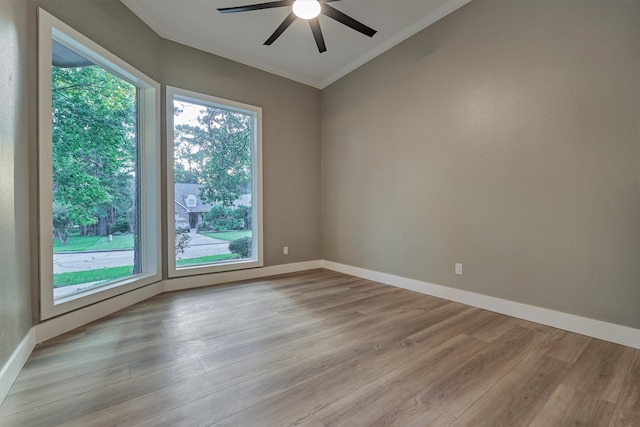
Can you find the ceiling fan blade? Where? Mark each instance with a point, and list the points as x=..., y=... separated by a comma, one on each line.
x=347, y=20
x=278, y=32
x=317, y=34
x=257, y=6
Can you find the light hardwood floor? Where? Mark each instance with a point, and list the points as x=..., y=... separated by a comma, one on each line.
x=321, y=349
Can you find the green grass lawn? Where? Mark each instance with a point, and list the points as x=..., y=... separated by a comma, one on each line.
x=205, y=259
x=229, y=235
x=93, y=243
x=61, y=280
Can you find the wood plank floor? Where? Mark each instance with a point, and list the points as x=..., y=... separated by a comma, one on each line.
x=321, y=349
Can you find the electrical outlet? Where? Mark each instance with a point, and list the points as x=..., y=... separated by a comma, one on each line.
x=285, y=250
x=458, y=268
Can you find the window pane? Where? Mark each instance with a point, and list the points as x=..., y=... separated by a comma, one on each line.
x=212, y=183
x=95, y=179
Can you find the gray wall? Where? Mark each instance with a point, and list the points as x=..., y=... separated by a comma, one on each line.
x=506, y=137
x=110, y=24
x=15, y=304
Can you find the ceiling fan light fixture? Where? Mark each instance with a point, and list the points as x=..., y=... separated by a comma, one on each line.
x=306, y=9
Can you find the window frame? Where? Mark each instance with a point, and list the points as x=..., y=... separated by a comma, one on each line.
x=175, y=93
x=51, y=28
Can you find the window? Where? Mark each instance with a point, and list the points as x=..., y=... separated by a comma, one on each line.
x=98, y=180
x=214, y=156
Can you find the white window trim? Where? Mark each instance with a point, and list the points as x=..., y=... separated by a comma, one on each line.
x=256, y=185
x=150, y=207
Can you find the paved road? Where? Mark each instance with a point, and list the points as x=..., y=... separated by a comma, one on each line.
x=198, y=246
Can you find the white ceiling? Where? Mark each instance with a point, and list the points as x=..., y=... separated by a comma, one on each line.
x=240, y=36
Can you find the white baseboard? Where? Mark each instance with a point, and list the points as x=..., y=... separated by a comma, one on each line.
x=182, y=283
x=16, y=362
x=618, y=334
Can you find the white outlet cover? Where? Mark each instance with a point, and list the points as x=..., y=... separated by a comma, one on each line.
x=458, y=268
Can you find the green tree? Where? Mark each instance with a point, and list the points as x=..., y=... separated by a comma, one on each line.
x=243, y=213
x=221, y=218
x=182, y=241
x=94, y=152
x=61, y=222
x=215, y=153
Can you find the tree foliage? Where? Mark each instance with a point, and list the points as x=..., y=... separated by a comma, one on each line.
x=223, y=218
x=215, y=153
x=182, y=241
x=61, y=222
x=93, y=147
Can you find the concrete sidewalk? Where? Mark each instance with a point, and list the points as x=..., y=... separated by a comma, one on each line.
x=198, y=239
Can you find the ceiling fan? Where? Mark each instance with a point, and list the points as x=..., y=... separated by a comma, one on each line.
x=305, y=9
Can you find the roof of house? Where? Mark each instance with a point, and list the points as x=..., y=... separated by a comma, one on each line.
x=183, y=190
